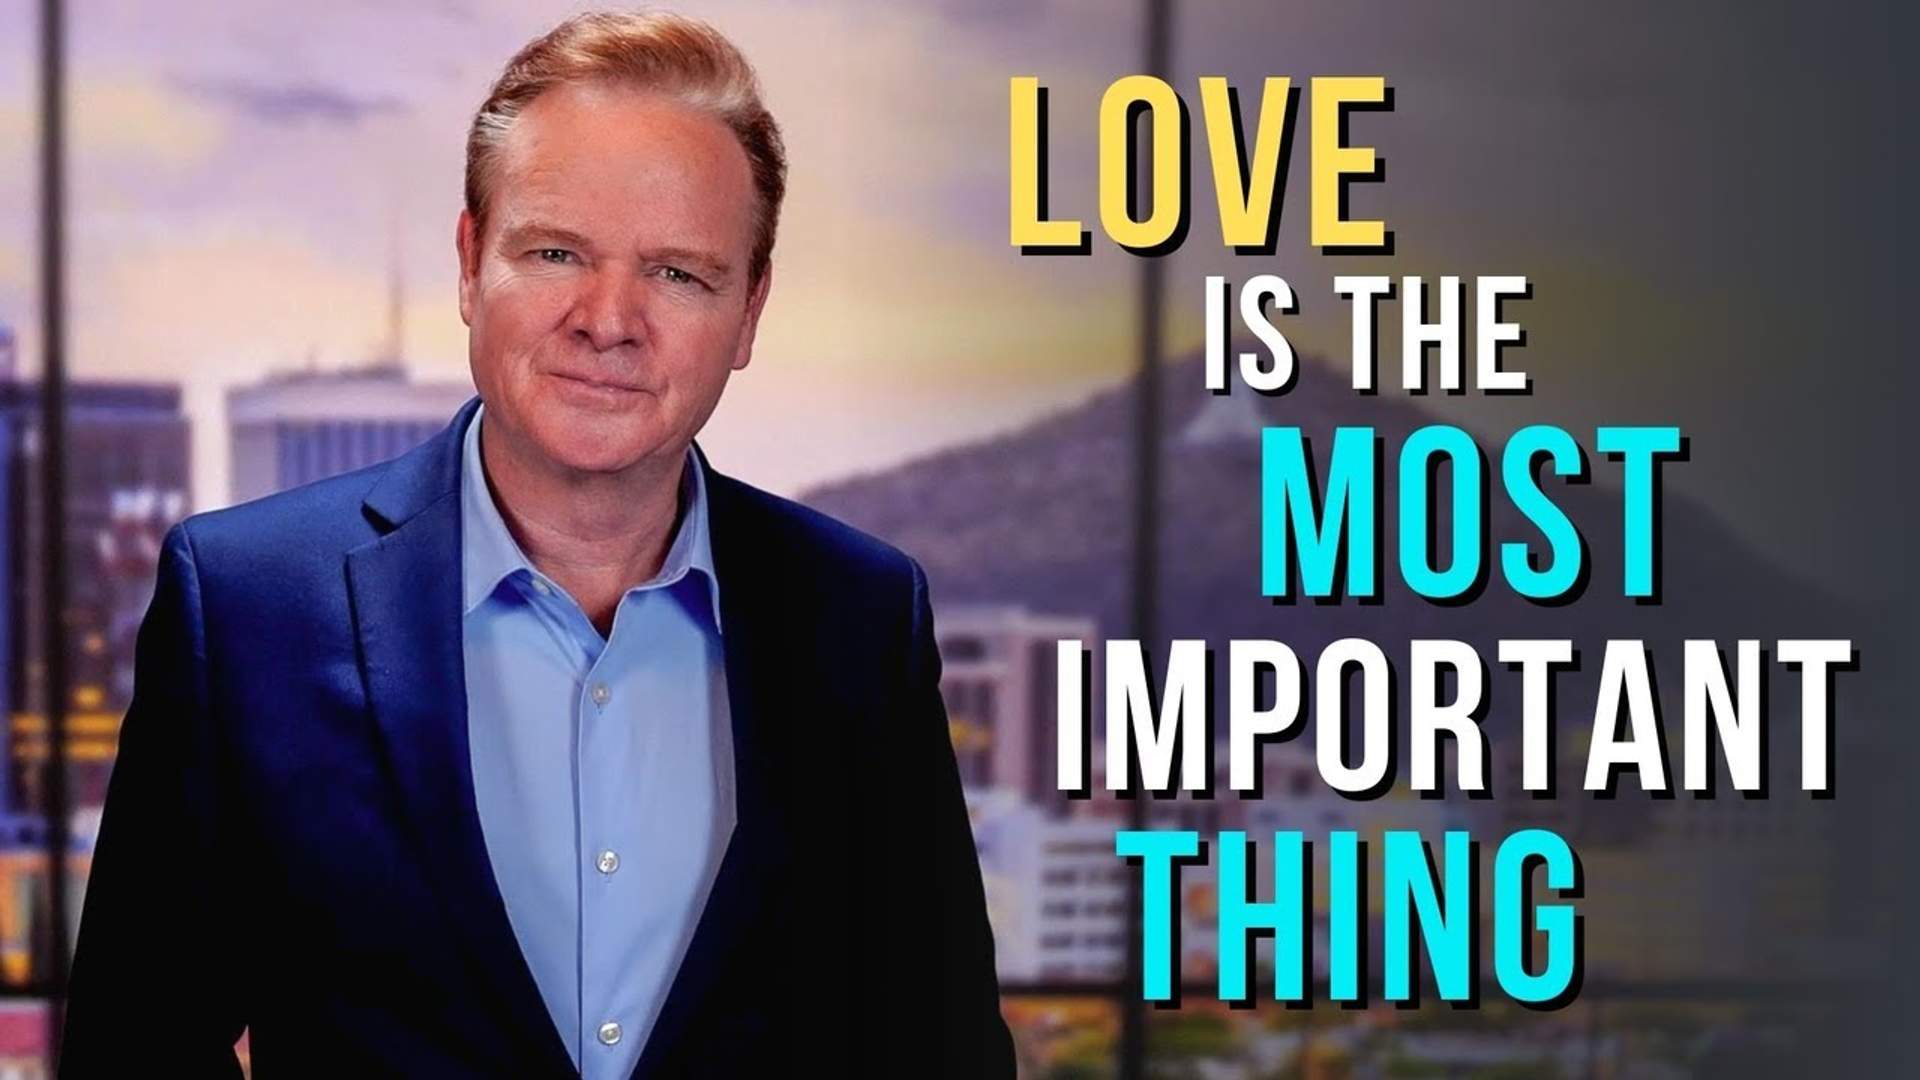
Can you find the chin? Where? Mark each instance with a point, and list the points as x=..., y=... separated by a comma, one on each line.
x=596, y=442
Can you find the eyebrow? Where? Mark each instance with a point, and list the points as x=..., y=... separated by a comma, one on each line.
x=529, y=233
x=713, y=264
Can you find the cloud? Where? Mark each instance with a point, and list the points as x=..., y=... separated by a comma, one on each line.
x=289, y=103
x=13, y=267
x=119, y=121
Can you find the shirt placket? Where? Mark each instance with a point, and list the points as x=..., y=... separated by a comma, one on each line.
x=605, y=752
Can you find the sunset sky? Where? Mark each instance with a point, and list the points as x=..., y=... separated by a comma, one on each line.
x=242, y=174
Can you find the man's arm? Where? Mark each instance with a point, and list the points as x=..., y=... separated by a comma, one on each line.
x=154, y=987
x=973, y=1039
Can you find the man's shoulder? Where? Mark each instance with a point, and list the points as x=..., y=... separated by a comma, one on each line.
x=320, y=520
x=774, y=529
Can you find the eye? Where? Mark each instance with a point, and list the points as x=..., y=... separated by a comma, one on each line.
x=553, y=255
x=678, y=276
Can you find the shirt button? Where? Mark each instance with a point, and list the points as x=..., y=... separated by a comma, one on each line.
x=609, y=1033
x=608, y=862
x=601, y=693
x=541, y=587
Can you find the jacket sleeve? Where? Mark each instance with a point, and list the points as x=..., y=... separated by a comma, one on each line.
x=974, y=1037
x=154, y=978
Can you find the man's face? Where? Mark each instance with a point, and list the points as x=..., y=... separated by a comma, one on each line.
x=607, y=300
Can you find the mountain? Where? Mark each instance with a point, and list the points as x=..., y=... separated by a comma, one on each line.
x=1042, y=517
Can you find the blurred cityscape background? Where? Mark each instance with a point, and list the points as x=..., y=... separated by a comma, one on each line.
x=259, y=280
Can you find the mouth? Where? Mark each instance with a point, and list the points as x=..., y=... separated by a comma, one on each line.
x=598, y=385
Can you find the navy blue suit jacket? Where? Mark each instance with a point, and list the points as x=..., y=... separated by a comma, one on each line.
x=290, y=843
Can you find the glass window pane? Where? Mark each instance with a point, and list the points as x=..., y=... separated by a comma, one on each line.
x=240, y=328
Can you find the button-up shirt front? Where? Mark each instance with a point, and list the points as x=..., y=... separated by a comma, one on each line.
x=603, y=767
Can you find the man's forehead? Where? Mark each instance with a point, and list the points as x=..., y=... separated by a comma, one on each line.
x=612, y=154
x=592, y=127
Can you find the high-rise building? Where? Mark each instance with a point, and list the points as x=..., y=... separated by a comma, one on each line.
x=294, y=428
x=1056, y=893
x=126, y=482
x=999, y=680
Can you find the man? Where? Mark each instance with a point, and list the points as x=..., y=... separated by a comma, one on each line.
x=546, y=749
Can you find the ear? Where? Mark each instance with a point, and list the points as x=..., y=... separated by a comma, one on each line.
x=756, y=302
x=466, y=242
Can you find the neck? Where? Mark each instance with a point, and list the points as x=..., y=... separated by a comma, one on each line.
x=596, y=534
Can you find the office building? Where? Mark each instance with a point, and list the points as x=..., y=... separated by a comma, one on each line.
x=126, y=483
x=1056, y=892
x=297, y=427
x=1000, y=683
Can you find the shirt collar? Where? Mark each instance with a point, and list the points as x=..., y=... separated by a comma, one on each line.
x=489, y=553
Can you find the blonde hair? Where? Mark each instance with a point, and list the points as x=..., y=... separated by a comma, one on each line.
x=684, y=58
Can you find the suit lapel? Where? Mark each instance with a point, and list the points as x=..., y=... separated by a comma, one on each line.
x=751, y=599
x=405, y=589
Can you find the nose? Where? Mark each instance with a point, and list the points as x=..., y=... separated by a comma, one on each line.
x=609, y=310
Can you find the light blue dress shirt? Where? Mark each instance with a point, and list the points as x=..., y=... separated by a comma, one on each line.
x=603, y=768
